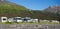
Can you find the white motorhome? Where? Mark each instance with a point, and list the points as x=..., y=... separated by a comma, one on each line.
x=4, y=19
x=18, y=19
x=35, y=20
x=27, y=19
x=10, y=20
x=55, y=21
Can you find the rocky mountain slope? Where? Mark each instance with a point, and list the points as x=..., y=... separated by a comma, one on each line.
x=53, y=9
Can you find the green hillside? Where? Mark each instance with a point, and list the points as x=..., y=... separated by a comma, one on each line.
x=9, y=9
x=11, y=6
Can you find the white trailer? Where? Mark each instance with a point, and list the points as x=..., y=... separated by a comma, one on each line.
x=4, y=19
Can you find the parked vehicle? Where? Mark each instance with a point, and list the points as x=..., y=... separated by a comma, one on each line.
x=4, y=19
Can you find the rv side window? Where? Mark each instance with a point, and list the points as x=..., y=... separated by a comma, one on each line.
x=19, y=18
x=4, y=19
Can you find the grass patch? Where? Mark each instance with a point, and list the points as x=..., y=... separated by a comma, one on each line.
x=0, y=22
x=49, y=23
x=29, y=23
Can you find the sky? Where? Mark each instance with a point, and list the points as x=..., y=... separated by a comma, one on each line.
x=36, y=4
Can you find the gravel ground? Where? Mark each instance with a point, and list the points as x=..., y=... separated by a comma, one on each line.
x=29, y=26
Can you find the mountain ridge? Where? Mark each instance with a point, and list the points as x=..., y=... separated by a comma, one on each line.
x=52, y=9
